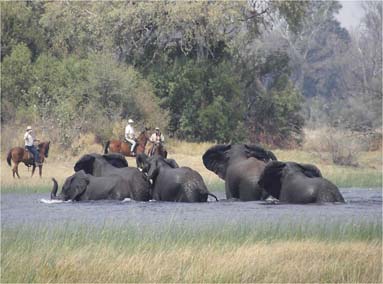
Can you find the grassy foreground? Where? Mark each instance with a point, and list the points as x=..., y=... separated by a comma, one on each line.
x=339, y=253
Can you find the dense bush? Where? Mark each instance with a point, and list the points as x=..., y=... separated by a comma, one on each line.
x=201, y=70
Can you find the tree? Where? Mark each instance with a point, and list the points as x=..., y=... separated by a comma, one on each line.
x=15, y=81
x=362, y=105
x=273, y=114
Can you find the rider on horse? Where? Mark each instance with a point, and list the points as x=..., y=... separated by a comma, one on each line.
x=156, y=138
x=130, y=135
x=29, y=140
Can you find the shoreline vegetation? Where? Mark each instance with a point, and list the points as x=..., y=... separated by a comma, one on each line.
x=60, y=165
x=336, y=253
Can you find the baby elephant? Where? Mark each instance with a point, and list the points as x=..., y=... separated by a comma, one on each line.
x=172, y=183
x=298, y=183
x=82, y=186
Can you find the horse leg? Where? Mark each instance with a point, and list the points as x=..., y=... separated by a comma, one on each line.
x=16, y=170
x=40, y=170
x=33, y=169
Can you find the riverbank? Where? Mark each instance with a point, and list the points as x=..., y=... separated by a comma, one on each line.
x=367, y=175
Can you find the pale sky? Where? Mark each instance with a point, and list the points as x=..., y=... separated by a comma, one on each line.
x=351, y=13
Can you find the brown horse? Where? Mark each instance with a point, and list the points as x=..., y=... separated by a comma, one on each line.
x=19, y=154
x=157, y=149
x=123, y=147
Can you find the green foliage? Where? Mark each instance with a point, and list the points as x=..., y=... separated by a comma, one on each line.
x=185, y=66
x=273, y=115
x=20, y=25
x=203, y=99
x=15, y=81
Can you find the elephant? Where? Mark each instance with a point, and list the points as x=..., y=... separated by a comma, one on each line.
x=291, y=182
x=99, y=165
x=116, y=165
x=171, y=182
x=240, y=166
x=82, y=186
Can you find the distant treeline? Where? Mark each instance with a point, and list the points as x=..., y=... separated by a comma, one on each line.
x=201, y=70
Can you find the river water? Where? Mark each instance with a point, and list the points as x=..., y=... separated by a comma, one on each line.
x=362, y=205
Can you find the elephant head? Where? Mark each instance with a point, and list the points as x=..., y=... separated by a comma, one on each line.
x=85, y=163
x=94, y=163
x=217, y=158
x=72, y=188
x=272, y=177
x=240, y=166
x=298, y=183
x=152, y=165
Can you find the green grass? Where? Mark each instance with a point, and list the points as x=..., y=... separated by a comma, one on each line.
x=353, y=177
x=82, y=253
x=25, y=189
x=74, y=235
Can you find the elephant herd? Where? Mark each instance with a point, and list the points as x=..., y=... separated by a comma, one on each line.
x=250, y=173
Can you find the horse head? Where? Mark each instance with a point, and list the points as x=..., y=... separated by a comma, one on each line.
x=44, y=148
x=143, y=138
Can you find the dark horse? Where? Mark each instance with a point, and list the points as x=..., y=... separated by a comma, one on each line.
x=157, y=149
x=123, y=147
x=20, y=154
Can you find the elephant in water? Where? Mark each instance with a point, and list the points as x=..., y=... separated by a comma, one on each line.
x=100, y=165
x=115, y=165
x=173, y=183
x=82, y=186
x=240, y=166
x=298, y=183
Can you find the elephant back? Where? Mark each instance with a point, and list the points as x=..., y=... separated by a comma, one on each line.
x=259, y=153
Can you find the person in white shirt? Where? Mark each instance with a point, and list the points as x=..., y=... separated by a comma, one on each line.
x=157, y=137
x=130, y=136
x=29, y=140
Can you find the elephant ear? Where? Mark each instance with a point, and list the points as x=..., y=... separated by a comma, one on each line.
x=259, y=153
x=310, y=171
x=116, y=160
x=172, y=163
x=85, y=163
x=216, y=158
x=270, y=178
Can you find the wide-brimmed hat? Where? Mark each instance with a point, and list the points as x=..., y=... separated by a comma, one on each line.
x=29, y=127
x=130, y=121
x=157, y=128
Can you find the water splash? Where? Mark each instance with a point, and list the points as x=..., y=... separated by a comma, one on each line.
x=53, y=201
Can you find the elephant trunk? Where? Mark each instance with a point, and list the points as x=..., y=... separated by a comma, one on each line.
x=141, y=161
x=106, y=147
x=54, y=189
x=211, y=194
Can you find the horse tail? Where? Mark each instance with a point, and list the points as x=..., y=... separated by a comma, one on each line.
x=106, y=147
x=9, y=157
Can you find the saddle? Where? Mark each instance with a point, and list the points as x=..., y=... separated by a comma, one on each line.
x=130, y=144
x=30, y=160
